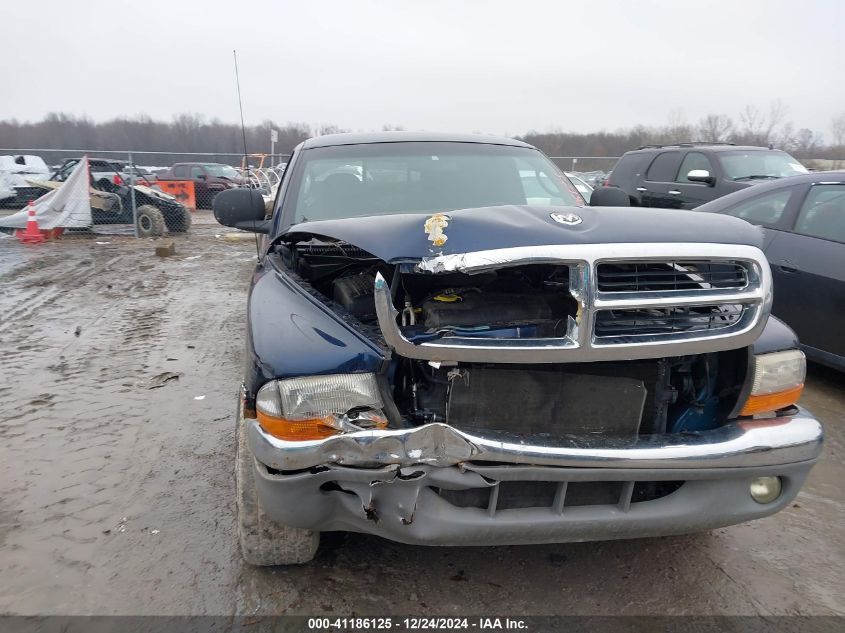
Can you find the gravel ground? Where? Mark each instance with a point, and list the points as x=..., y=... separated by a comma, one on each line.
x=118, y=377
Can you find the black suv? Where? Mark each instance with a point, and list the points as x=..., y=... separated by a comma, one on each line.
x=686, y=175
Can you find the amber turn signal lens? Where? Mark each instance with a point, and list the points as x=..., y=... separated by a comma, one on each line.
x=309, y=429
x=771, y=401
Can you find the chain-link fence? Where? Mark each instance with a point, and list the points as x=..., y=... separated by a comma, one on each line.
x=144, y=193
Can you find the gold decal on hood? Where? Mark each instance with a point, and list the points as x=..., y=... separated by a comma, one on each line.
x=434, y=227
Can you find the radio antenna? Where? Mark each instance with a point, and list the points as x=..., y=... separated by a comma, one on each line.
x=243, y=134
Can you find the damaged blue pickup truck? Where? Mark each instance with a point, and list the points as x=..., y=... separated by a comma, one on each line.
x=446, y=346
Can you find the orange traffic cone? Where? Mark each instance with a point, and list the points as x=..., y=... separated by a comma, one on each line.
x=31, y=234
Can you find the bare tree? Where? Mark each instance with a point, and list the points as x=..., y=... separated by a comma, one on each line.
x=752, y=121
x=678, y=130
x=837, y=129
x=777, y=116
x=785, y=139
x=805, y=144
x=758, y=128
x=327, y=128
x=715, y=128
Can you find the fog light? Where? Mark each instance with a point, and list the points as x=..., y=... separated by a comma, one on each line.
x=765, y=489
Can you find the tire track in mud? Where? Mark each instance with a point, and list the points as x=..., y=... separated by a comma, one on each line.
x=84, y=437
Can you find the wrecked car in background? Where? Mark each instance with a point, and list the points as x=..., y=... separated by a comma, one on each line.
x=436, y=360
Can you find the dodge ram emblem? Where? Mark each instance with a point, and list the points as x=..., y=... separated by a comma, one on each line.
x=566, y=218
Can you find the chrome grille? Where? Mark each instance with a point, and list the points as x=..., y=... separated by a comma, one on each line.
x=674, y=299
x=666, y=321
x=639, y=276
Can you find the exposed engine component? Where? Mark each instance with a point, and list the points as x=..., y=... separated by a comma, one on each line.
x=355, y=294
x=471, y=306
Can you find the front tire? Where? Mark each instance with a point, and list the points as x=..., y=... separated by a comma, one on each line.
x=150, y=221
x=263, y=541
x=181, y=221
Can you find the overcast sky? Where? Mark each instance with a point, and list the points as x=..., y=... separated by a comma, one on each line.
x=501, y=67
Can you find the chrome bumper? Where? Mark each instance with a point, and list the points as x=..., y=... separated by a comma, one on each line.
x=769, y=442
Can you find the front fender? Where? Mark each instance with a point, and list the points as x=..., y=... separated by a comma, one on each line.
x=292, y=333
x=777, y=336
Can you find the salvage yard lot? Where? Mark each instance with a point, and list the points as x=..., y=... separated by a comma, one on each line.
x=119, y=375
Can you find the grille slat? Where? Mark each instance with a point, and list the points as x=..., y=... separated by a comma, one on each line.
x=558, y=496
x=670, y=320
x=669, y=275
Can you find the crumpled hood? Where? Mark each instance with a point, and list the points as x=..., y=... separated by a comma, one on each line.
x=406, y=237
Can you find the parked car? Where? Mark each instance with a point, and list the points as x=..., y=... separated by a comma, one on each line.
x=103, y=170
x=592, y=178
x=803, y=219
x=15, y=171
x=580, y=184
x=209, y=179
x=142, y=175
x=433, y=360
x=687, y=175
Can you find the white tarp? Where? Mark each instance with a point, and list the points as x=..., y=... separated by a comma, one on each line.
x=69, y=206
x=25, y=164
x=7, y=185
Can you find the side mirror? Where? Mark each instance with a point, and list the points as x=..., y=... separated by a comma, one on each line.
x=609, y=197
x=241, y=209
x=202, y=177
x=701, y=175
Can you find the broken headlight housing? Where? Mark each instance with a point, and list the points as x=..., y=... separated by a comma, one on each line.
x=315, y=407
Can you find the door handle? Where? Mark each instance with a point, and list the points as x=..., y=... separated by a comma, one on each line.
x=787, y=269
x=641, y=189
x=675, y=192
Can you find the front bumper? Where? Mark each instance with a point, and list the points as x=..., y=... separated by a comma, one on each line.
x=392, y=482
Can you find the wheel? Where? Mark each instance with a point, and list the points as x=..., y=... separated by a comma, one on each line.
x=263, y=541
x=150, y=221
x=180, y=220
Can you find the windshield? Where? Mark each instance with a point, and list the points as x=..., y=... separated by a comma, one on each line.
x=422, y=177
x=221, y=171
x=741, y=165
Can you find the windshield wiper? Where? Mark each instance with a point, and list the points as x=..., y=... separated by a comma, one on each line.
x=756, y=177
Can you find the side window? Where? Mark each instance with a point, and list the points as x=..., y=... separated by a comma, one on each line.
x=664, y=167
x=180, y=171
x=693, y=160
x=65, y=170
x=629, y=168
x=765, y=209
x=823, y=213
x=196, y=170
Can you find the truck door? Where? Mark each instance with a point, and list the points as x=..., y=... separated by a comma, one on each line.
x=658, y=189
x=693, y=194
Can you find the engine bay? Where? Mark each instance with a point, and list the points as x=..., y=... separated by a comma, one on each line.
x=515, y=302
x=528, y=301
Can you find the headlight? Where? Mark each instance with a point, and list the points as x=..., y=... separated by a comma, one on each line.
x=778, y=381
x=315, y=407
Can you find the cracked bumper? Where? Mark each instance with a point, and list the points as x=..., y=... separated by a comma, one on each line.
x=392, y=483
